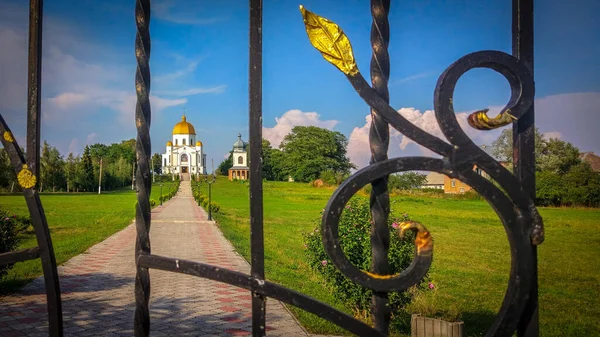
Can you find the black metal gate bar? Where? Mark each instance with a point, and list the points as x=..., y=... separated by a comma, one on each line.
x=28, y=174
x=256, y=189
x=143, y=154
x=379, y=139
x=34, y=85
x=524, y=146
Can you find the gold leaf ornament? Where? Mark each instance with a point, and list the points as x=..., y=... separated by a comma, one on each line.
x=8, y=137
x=26, y=178
x=479, y=120
x=423, y=239
x=328, y=38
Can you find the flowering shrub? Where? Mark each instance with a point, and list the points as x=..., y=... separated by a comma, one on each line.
x=354, y=232
x=8, y=238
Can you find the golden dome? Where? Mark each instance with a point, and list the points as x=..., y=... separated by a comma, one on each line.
x=184, y=128
x=169, y=143
x=198, y=143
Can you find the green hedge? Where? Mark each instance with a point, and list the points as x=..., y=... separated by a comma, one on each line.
x=202, y=199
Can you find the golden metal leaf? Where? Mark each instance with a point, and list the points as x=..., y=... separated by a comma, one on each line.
x=8, y=137
x=26, y=178
x=328, y=38
x=480, y=120
x=423, y=241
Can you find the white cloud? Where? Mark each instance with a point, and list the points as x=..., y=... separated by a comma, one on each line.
x=358, y=143
x=194, y=91
x=412, y=77
x=180, y=13
x=190, y=68
x=291, y=118
x=73, y=89
x=90, y=138
x=552, y=135
x=74, y=146
x=69, y=100
x=575, y=115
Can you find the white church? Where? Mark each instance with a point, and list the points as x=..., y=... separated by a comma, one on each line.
x=184, y=153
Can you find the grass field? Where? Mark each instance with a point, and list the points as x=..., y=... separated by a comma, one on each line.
x=77, y=221
x=471, y=256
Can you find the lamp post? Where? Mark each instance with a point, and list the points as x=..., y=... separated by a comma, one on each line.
x=210, y=182
x=161, y=198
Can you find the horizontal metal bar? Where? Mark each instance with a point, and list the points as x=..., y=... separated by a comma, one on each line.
x=20, y=255
x=259, y=286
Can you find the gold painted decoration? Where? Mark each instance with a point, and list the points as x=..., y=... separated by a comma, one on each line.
x=328, y=38
x=8, y=137
x=26, y=178
x=480, y=120
x=423, y=241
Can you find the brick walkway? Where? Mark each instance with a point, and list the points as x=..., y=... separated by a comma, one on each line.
x=97, y=286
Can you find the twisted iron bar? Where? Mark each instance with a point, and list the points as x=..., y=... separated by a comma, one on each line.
x=379, y=139
x=143, y=154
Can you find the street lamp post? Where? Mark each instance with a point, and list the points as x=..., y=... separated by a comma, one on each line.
x=161, y=198
x=210, y=182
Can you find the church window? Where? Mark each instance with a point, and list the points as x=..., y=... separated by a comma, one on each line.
x=240, y=160
x=184, y=141
x=176, y=142
x=184, y=158
x=165, y=162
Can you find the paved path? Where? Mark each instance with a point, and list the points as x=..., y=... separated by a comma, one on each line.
x=98, y=285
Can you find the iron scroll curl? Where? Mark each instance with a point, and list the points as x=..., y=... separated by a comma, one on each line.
x=513, y=205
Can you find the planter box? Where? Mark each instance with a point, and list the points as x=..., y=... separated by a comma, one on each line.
x=432, y=327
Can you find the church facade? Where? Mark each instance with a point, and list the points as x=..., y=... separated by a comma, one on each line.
x=184, y=153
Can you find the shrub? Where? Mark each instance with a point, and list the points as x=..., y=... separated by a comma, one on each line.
x=152, y=202
x=8, y=238
x=215, y=207
x=328, y=177
x=354, y=232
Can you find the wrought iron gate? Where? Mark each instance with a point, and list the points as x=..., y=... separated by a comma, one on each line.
x=513, y=202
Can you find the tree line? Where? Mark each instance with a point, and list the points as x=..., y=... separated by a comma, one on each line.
x=305, y=154
x=77, y=173
x=562, y=178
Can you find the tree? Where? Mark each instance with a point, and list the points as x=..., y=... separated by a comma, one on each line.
x=51, y=168
x=226, y=164
x=86, y=170
x=272, y=160
x=550, y=155
x=71, y=171
x=157, y=163
x=310, y=150
x=503, y=146
x=406, y=181
x=7, y=173
x=558, y=156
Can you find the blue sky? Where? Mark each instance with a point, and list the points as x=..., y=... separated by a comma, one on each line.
x=199, y=61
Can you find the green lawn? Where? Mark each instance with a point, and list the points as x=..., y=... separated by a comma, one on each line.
x=77, y=221
x=471, y=255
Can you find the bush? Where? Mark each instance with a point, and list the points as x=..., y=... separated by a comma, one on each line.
x=328, y=177
x=215, y=207
x=354, y=231
x=152, y=202
x=8, y=238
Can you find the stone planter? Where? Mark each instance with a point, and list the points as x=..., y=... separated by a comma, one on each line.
x=433, y=327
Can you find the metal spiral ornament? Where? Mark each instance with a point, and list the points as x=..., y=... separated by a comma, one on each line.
x=143, y=154
x=379, y=139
